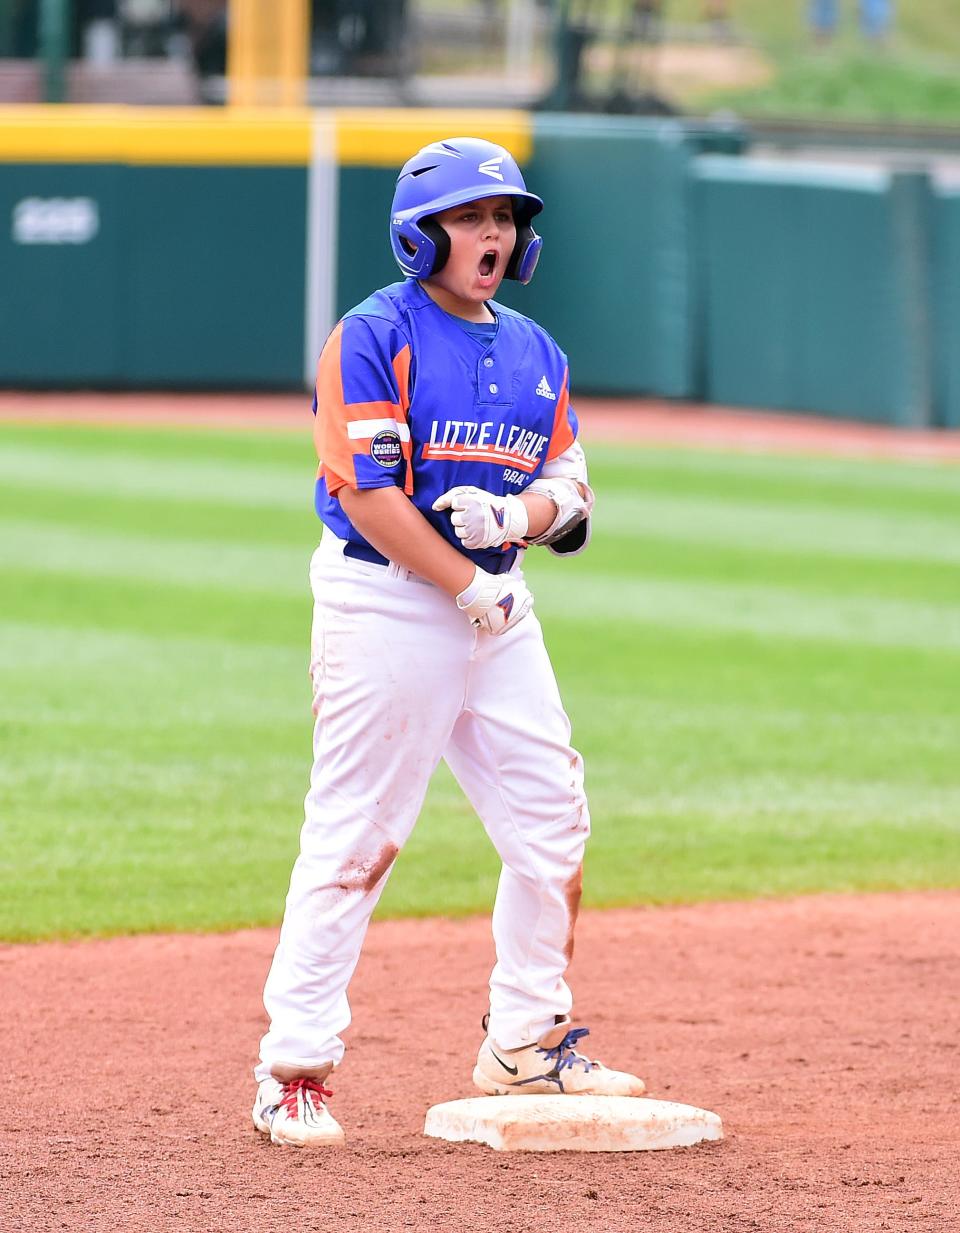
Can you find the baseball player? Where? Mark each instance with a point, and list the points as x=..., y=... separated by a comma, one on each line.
x=447, y=446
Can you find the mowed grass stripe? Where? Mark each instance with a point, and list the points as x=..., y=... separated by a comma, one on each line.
x=765, y=611
x=222, y=520
x=167, y=667
x=758, y=717
x=768, y=612
x=184, y=464
x=166, y=537
x=217, y=564
x=920, y=485
x=281, y=571
x=250, y=482
x=131, y=440
x=780, y=525
x=653, y=556
x=666, y=538
x=157, y=609
x=783, y=525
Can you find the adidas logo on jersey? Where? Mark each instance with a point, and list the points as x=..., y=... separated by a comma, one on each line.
x=544, y=390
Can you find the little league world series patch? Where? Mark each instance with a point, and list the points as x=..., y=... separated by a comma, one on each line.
x=385, y=448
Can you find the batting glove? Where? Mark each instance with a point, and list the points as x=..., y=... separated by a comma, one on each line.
x=495, y=603
x=482, y=520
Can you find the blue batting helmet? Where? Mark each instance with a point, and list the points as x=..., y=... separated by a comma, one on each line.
x=451, y=173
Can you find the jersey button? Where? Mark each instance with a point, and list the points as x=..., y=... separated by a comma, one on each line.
x=494, y=388
x=488, y=363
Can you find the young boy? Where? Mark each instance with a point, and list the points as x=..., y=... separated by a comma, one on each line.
x=447, y=445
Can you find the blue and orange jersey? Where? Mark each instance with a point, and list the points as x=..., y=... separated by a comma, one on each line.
x=407, y=396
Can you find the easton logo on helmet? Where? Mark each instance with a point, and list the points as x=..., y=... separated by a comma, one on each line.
x=492, y=168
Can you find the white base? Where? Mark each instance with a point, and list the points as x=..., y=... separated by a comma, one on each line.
x=571, y=1123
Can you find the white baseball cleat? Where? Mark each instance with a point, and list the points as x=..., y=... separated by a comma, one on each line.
x=295, y=1113
x=549, y=1065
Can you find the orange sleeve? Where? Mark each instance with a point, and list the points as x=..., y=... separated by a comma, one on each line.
x=344, y=430
x=329, y=429
x=563, y=434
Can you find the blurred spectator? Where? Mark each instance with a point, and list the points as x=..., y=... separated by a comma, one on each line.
x=648, y=20
x=206, y=26
x=876, y=18
x=146, y=26
x=717, y=14
x=361, y=37
x=99, y=31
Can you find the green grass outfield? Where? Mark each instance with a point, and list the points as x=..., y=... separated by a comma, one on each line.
x=760, y=654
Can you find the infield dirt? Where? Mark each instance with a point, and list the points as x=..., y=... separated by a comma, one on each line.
x=823, y=1030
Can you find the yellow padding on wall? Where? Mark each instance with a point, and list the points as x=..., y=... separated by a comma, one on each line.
x=183, y=136
x=374, y=138
x=191, y=136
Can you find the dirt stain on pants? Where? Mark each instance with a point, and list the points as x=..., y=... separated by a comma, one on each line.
x=363, y=873
x=572, y=891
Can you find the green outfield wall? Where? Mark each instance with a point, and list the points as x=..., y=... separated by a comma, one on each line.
x=815, y=289
x=218, y=247
x=61, y=253
x=152, y=248
x=946, y=291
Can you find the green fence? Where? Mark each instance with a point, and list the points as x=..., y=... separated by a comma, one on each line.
x=815, y=289
x=216, y=271
x=134, y=275
x=364, y=257
x=61, y=302
x=946, y=289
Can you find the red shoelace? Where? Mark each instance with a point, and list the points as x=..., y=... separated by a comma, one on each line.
x=310, y=1088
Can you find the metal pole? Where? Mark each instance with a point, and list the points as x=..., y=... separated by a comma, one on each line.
x=911, y=200
x=53, y=33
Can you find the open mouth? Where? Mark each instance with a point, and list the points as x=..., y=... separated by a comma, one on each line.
x=488, y=263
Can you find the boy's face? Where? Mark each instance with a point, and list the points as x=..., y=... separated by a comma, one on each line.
x=482, y=237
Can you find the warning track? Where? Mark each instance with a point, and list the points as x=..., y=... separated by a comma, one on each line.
x=655, y=421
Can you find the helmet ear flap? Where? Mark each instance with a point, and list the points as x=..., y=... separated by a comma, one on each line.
x=441, y=243
x=525, y=255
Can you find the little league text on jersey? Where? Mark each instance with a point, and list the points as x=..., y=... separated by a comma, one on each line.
x=486, y=441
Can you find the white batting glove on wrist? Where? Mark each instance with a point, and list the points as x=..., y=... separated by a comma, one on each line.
x=495, y=602
x=483, y=520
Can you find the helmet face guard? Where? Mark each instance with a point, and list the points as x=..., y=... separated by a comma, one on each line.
x=451, y=173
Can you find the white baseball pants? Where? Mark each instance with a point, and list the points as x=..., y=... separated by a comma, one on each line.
x=400, y=680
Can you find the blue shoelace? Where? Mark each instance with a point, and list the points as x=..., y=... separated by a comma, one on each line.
x=563, y=1055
